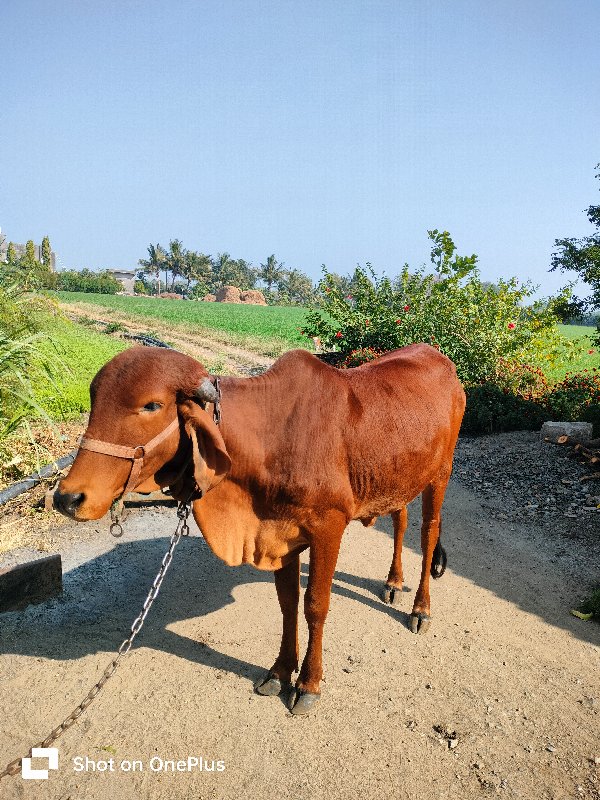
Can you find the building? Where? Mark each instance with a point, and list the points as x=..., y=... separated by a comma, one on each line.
x=20, y=251
x=125, y=276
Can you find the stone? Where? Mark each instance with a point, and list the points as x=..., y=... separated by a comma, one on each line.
x=578, y=431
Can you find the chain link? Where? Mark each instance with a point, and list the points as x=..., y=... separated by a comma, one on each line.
x=183, y=512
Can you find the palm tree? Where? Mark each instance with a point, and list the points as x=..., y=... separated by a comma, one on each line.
x=197, y=267
x=271, y=272
x=157, y=257
x=176, y=260
x=221, y=269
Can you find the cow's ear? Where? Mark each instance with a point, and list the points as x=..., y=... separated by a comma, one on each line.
x=211, y=459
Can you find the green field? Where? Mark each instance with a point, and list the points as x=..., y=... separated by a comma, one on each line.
x=581, y=335
x=575, y=332
x=80, y=353
x=282, y=324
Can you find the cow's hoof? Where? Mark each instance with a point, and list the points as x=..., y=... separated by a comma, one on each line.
x=419, y=623
x=391, y=595
x=301, y=702
x=269, y=686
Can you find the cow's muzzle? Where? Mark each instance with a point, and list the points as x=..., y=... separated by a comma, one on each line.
x=68, y=502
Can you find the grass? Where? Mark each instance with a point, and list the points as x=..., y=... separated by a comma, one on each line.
x=278, y=325
x=581, y=335
x=83, y=351
x=80, y=353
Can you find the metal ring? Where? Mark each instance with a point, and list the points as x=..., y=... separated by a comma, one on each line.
x=141, y=447
x=116, y=530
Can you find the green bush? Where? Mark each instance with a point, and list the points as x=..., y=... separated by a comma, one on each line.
x=577, y=397
x=87, y=281
x=491, y=409
x=476, y=324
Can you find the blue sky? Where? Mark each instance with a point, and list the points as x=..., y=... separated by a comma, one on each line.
x=328, y=132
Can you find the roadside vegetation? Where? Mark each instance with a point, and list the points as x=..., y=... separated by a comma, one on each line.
x=515, y=364
x=46, y=363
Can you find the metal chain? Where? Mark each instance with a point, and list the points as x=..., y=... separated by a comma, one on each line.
x=183, y=512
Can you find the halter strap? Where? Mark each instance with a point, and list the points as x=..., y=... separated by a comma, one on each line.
x=136, y=454
x=118, y=450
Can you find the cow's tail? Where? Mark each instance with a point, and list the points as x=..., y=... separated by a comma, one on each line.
x=440, y=559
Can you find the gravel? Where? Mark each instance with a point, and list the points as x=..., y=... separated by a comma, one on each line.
x=521, y=477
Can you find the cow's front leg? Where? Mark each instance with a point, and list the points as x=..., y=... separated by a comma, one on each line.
x=287, y=583
x=324, y=549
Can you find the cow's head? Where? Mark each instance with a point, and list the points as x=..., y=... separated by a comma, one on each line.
x=135, y=397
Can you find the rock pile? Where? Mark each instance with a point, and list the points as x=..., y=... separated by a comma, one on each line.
x=525, y=478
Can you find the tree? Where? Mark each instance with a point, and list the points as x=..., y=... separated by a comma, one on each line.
x=297, y=286
x=30, y=259
x=157, y=259
x=46, y=253
x=443, y=256
x=88, y=281
x=271, y=272
x=176, y=260
x=197, y=267
x=583, y=257
x=11, y=255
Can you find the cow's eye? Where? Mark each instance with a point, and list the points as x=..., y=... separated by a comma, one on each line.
x=152, y=406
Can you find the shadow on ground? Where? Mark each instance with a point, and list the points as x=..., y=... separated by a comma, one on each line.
x=527, y=565
x=102, y=596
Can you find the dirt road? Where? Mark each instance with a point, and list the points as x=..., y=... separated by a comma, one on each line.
x=502, y=696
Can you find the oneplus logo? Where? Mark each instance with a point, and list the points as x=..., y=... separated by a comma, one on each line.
x=51, y=753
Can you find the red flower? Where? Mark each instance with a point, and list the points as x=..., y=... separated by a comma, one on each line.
x=367, y=322
x=511, y=325
x=349, y=297
x=407, y=308
x=339, y=335
x=591, y=352
x=398, y=321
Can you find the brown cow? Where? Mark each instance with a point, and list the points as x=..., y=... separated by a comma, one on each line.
x=300, y=451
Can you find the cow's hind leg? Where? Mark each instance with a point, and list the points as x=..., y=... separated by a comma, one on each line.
x=287, y=583
x=324, y=549
x=392, y=590
x=440, y=559
x=433, y=497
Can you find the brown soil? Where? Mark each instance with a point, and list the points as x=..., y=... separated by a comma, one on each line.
x=505, y=672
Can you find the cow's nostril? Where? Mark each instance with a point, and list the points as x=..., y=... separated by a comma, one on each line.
x=68, y=502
